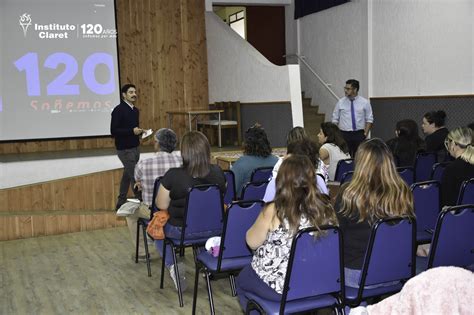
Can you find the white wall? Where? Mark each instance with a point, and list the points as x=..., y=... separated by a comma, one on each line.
x=335, y=45
x=393, y=47
x=237, y=71
x=423, y=47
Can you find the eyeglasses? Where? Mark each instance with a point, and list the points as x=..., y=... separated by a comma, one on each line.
x=446, y=143
x=348, y=88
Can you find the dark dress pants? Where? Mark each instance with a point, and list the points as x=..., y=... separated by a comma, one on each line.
x=353, y=140
x=129, y=158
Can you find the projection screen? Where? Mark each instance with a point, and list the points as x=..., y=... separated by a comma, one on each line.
x=59, y=68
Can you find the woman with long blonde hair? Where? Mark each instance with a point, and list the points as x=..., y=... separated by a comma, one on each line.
x=460, y=145
x=298, y=204
x=376, y=191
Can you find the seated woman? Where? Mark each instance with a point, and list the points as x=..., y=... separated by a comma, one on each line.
x=460, y=144
x=197, y=169
x=333, y=147
x=257, y=153
x=297, y=205
x=436, y=132
x=299, y=134
x=305, y=147
x=376, y=191
x=407, y=142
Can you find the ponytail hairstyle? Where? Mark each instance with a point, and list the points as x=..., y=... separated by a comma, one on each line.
x=463, y=137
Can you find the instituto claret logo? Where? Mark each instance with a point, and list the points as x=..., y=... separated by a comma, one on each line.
x=25, y=21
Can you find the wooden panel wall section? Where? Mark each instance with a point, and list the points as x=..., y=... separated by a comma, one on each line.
x=162, y=50
x=73, y=204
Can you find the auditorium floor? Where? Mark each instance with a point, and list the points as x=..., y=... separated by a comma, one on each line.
x=92, y=273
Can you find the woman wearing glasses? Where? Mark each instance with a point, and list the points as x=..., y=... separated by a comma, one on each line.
x=460, y=146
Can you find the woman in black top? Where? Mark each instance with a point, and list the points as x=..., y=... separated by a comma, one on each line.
x=197, y=169
x=460, y=145
x=436, y=132
x=407, y=142
x=376, y=191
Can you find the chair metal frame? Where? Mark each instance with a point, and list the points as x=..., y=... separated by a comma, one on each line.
x=368, y=255
x=260, y=174
x=420, y=155
x=424, y=233
x=240, y=207
x=181, y=243
x=339, y=168
x=437, y=167
x=338, y=295
x=230, y=193
x=253, y=185
x=454, y=210
x=144, y=224
x=401, y=171
x=464, y=186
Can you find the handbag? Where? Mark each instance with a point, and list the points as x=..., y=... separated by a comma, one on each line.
x=155, y=227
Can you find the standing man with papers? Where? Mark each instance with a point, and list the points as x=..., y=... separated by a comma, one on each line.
x=124, y=127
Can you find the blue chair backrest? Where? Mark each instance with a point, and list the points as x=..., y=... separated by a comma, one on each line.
x=261, y=174
x=424, y=164
x=229, y=195
x=254, y=191
x=390, y=255
x=204, y=209
x=407, y=173
x=466, y=193
x=315, y=265
x=438, y=170
x=156, y=186
x=238, y=219
x=453, y=239
x=343, y=166
x=346, y=177
x=426, y=197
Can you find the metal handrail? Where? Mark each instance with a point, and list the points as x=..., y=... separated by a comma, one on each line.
x=326, y=85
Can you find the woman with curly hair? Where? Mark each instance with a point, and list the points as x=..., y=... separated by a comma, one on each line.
x=298, y=204
x=257, y=153
x=376, y=191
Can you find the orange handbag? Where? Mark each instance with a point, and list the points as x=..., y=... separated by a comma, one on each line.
x=155, y=227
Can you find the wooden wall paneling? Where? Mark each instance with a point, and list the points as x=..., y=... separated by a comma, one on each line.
x=38, y=225
x=3, y=200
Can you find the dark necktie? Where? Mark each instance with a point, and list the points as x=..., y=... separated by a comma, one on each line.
x=353, y=115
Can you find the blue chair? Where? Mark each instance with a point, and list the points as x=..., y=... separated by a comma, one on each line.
x=229, y=195
x=203, y=213
x=261, y=174
x=343, y=166
x=254, y=190
x=346, y=177
x=407, y=173
x=233, y=251
x=453, y=239
x=424, y=162
x=314, y=277
x=438, y=170
x=389, y=260
x=466, y=193
x=426, y=197
x=141, y=222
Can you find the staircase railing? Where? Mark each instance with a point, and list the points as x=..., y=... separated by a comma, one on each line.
x=324, y=83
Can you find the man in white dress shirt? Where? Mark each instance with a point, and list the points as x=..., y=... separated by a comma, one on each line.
x=353, y=115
